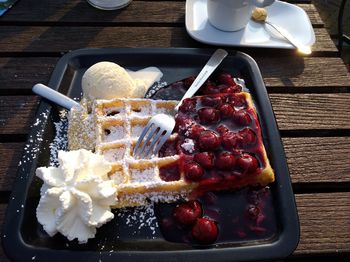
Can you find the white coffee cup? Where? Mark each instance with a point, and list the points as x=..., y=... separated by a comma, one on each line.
x=232, y=15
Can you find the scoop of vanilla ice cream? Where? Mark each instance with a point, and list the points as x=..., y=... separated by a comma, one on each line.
x=107, y=80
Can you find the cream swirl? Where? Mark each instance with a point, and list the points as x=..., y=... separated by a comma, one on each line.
x=76, y=196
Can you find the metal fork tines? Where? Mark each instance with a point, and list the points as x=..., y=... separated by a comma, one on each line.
x=160, y=127
x=156, y=133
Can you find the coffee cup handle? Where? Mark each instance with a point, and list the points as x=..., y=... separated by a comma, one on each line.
x=262, y=3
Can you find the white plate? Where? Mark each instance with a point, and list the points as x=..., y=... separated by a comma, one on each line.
x=288, y=16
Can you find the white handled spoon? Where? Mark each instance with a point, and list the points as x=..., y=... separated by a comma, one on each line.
x=260, y=15
x=54, y=96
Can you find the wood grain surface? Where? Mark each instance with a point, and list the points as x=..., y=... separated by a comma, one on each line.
x=77, y=11
x=64, y=38
x=310, y=96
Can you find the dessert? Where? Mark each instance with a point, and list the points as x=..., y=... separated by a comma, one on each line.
x=216, y=146
x=107, y=80
x=119, y=123
x=76, y=196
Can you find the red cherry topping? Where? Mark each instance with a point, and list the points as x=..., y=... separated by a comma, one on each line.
x=169, y=172
x=231, y=140
x=247, y=163
x=209, y=140
x=211, y=101
x=188, y=105
x=183, y=123
x=205, y=159
x=253, y=212
x=225, y=161
x=205, y=230
x=241, y=117
x=226, y=110
x=222, y=129
x=187, y=213
x=238, y=101
x=210, y=88
x=195, y=131
x=248, y=136
x=226, y=78
x=208, y=115
x=193, y=171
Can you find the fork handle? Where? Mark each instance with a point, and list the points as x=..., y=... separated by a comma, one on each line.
x=207, y=70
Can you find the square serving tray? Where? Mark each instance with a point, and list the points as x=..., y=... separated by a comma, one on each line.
x=23, y=237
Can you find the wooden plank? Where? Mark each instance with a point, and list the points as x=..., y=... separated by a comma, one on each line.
x=77, y=11
x=16, y=113
x=24, y=72
x=10, y=155
x=324, y=223
x=63, y=39
x=312, y=111
x=311, y=159
x=284, y=72
x=297, y=72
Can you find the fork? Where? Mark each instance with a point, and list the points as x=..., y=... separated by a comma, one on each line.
x=160, y=126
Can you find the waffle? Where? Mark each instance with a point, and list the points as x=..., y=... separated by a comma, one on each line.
x=119, y=123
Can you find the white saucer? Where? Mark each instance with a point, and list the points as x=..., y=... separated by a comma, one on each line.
x=288, y=16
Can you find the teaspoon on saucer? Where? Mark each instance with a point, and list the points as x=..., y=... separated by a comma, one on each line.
x=260, y=15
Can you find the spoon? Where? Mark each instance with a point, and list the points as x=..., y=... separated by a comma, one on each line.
x=260, y=15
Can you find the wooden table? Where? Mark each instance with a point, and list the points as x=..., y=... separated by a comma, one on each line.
x=310, y=97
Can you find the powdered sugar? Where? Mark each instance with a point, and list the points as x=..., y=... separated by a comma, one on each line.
x=114, y=133
x=144, y=175
x=188, y=145
x=115, y=154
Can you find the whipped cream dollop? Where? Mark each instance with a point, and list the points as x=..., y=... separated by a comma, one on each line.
x=76, y=196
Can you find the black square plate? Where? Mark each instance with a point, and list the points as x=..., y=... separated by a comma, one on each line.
x=25, y=240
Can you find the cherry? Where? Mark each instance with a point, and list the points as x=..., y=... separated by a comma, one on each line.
x=205, y=159
x=226, y=110
x=248, y=136
x=188, y=105
x=205, y=230
x=193, y=171
x=222, y=129
x=247, y=163
x=208, y=115
x=187, y=213
x=238, y=101
x=253, y=212
x=241, y=117
x=228, y=90
x=222, y=87
x=231, y=140
x=236, y=89
x=188, y=81
x=183, y=123
x=210, y=88
x=212, y=101
x=208, y=140
x=226, y=78
x=195, y=131
x=225, y=161
x=169, y=172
